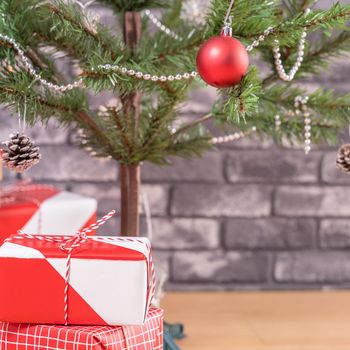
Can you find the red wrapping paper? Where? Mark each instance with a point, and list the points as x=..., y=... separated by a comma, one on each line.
x=41, y=208
x=44, y=337
x=110, y=282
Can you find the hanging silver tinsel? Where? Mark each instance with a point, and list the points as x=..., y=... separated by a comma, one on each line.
x=20, y=153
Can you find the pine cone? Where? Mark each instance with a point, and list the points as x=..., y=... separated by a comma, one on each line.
x=343, y=158
x=20, y=153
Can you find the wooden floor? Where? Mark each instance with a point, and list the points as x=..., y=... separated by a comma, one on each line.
x=262, y=320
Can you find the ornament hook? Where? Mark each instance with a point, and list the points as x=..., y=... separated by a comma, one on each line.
x=22, y=122
x=227, y=30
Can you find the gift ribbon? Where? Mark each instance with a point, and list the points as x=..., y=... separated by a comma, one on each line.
x=69, y=243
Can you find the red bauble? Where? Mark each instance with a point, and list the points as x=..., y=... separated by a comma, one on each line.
x=222, y=61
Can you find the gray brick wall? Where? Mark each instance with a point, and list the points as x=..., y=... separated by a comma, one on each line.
x=248, y=216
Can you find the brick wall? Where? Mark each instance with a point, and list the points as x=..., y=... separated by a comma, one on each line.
x=248, y=216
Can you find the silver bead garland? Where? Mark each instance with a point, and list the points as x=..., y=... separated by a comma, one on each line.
x=283, y=75
x=277, y=122
x=161, y=26
x=300, y=104
x=278, y=62
x=231, y=137
x=28, y=65
x=257, y=41
x=145, y=76
x=105, y=67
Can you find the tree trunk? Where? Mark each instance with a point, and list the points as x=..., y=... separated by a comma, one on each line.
x=133, y=203
x=130, y=175
x=124, y=198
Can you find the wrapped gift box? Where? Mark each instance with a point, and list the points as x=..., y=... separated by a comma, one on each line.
x=111, y=280
x=44, y=337
x=41, y=208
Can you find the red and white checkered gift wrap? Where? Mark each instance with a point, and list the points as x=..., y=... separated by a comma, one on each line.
x=110, y=280
x=45, y=337
x=40, y=209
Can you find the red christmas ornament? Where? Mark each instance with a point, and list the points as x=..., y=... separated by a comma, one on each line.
x=222, y=61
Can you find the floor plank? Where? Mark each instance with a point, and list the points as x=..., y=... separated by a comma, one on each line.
x=262, y=320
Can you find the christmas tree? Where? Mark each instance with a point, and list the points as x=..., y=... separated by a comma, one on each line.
x=151, y=74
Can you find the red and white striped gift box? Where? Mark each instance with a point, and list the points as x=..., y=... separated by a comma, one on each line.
x=45, y=337
x=75, y=279
x=38, y=209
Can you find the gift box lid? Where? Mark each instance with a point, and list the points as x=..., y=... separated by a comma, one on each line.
x=104, y=248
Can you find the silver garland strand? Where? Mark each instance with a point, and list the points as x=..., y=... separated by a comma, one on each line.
x=277, y=122
x=161, y=26
x=227, y=27
x=257, y=41
x=283, y=75
x=231, y=137
x=103, y=67
x=29, y=66
x=300, y=109
x=145, y=76
x=300, y=104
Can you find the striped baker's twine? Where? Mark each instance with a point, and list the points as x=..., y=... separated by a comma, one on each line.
x=69, y=243
x=151, y=269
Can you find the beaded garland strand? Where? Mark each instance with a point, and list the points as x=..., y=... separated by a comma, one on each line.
x=300, y=110
x=116, y=68
x=300, y=57
x=300, y=105
x=276, y=49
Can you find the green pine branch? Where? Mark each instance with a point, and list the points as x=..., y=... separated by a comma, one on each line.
x=65, y=27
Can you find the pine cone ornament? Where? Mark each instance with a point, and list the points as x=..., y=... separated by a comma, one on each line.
x=20, y=153
x=343, y=158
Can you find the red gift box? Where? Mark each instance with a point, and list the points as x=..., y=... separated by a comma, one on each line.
x=44, y=337
x=42, y=208
x=76, y=279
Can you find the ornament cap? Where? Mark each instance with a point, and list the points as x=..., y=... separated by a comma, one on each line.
x=227, y=30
